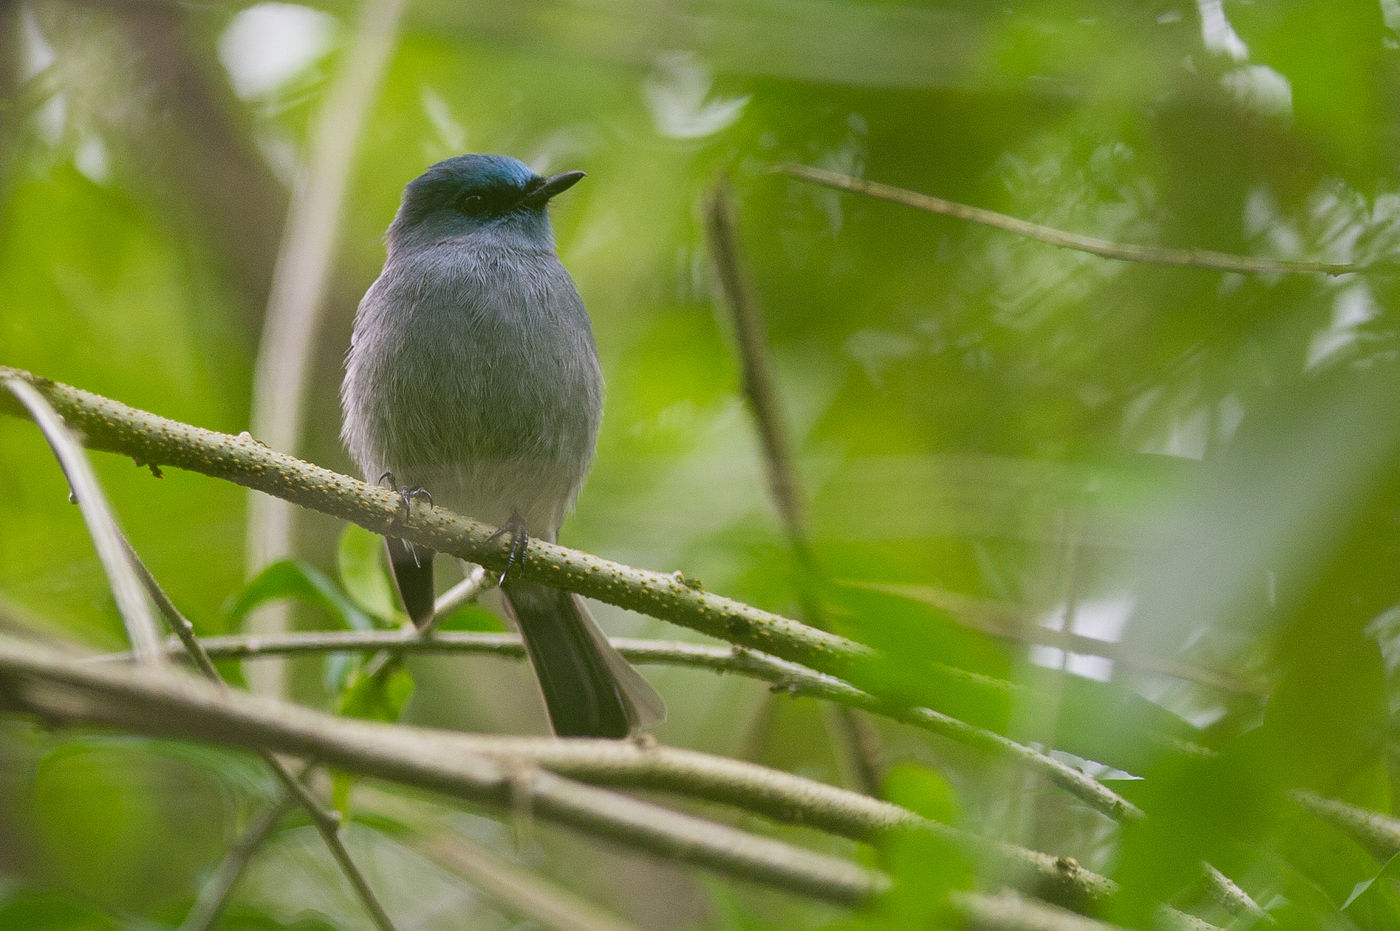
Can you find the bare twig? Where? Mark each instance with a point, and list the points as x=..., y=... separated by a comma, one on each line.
x=759, y=386
x=761, y=389
x=213, y=896
x=327, y=823
x=785, y=676
x=517, y=890
x=476, y=581
x=141, y=627
x=1128, y=252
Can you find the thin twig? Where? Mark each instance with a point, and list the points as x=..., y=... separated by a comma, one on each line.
x=761, y=390
x=785, y=676
x=214, y=895
x=327, y=823
x=517, y=890
x=758, y=383
x=476, y=581
x=1128, y=252
x=141, y=628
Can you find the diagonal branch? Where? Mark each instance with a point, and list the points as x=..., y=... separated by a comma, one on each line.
x=208, y=908
x=1128, y=252
x=141, y=628
x=761, y=389
x=759, y=385
x=128, y=575
x=154, y=440
x=327, y=823
x=149, y=439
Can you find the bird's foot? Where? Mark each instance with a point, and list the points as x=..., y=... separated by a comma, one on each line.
x=407, y=493
x=519, y=540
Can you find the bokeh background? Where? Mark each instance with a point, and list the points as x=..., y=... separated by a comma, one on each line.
x=999, y=443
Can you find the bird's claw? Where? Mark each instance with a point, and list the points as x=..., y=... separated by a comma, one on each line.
x=407, y=494
x=519, y=541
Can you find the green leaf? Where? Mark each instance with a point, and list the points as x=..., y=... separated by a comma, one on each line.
x=923, y=790
x=305, y=583
x=1375, y=900
x=365, y=573
x=51, y=911
x=379, y=695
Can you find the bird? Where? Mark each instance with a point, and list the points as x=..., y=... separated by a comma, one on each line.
x=473, y=380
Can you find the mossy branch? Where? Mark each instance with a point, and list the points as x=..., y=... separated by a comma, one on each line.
x=152, y=440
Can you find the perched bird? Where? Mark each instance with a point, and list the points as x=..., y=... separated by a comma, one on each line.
x=473, y=377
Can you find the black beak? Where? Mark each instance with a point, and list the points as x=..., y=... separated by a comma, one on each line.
x=542, y=189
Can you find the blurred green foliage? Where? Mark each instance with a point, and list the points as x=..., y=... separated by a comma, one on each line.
x=998, y=441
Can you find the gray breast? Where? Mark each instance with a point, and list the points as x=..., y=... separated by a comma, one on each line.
x=474, y=373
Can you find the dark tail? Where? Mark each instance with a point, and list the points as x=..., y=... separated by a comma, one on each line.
x=589, y=689
x=413, y=575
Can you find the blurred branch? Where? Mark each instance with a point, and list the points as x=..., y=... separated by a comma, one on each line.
x=1128, y=252
x=504, y=770
x=213, y=896
x=327, y=823
x=1377, y=832
x=515, y=889
x=106, y=424
x=197, y=139
x=785, y=676
x=142, y=631
x=761, y=390
x=759, y=385
x=1227, y=894
x=294, y=307
x=1020, y=624
x=1009, y=911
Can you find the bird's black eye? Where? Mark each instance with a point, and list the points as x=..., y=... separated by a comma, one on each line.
x=473, y=204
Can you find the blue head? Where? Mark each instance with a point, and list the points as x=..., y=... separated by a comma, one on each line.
x=467, y=193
